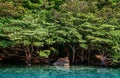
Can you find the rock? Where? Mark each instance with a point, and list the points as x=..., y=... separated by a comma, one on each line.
x=62, y=62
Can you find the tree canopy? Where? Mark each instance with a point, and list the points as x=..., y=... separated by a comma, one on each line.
x=93, y=27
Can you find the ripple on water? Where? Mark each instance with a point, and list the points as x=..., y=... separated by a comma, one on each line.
x=57, y=72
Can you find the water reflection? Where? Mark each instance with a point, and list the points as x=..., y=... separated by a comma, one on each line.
x=62, y=68
x=57, y=72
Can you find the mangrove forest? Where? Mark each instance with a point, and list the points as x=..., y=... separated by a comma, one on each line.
x=60, y=32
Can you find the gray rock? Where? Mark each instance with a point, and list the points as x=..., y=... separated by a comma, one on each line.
x=62, y=62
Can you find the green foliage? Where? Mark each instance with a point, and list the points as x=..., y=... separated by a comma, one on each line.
x=5, y=43
x=56, y=3
x=25, y=32
x=8, y=9
x=31, y=4
x=4, y=40
x=46, y=53
x=91, y=24
x=36, y=1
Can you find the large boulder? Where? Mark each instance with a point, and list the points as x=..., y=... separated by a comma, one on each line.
x=62, y=62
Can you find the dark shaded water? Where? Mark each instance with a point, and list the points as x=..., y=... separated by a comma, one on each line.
x=57, y=72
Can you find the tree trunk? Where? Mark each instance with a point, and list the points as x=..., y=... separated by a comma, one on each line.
x=82, y=56
x=28, y=56
x=73, y=50
x=88, y=55
x=67, y=53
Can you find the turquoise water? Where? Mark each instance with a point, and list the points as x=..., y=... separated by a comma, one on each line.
x=57, y=72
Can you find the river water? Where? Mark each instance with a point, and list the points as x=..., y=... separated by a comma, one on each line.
x=38, y=71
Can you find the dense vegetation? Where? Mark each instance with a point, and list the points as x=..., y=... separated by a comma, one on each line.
x=39, y=31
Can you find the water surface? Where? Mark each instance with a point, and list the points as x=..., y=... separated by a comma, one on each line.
x=38, y=71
